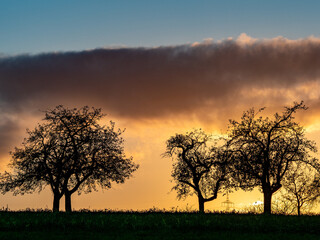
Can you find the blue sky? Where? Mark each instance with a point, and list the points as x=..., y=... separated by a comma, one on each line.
x=33, y=26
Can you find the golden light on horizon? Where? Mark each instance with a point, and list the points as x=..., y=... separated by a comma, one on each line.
x=155, y=93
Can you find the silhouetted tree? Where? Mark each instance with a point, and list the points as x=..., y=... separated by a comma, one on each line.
x=88, y=154
x=301, y=185
x=265, y=150
x=198, y=168
x=40, y=162
x=280, y=205
x=97, y=155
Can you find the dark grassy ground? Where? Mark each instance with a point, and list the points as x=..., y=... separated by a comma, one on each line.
x=155, y=225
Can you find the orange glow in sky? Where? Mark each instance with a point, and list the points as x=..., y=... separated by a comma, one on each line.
x=155, y=93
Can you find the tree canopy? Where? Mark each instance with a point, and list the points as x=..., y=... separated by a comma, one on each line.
x=40, y=162
x=265, y=149
x=70, y=152
x=198, y=168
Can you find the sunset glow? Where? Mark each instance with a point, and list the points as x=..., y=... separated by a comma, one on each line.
x=155, y=72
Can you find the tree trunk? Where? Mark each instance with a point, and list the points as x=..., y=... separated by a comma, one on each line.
x=299, y=207
x=67, y=197
x=201, y=204
x=267, y=196
x=56, y=202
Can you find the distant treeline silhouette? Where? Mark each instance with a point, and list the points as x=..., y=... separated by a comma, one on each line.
x=71, y=152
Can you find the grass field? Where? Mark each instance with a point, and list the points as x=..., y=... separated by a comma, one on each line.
x=155, y=225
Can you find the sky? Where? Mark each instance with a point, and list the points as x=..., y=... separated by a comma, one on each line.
x=156, y=68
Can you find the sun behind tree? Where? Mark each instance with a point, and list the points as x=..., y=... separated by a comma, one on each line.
x=267, y=148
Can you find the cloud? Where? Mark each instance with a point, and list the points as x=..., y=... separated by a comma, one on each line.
x=153, y=82
x=209, y=81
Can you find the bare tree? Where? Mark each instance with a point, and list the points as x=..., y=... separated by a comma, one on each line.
x=301, y=187
x=266, y=149
x=97, y=155
x=198, y=169
x=75, y=154
x=40, y=162
x=281, y=205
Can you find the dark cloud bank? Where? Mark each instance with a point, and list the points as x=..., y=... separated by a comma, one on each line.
x=158, y=82
x=153, y=82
